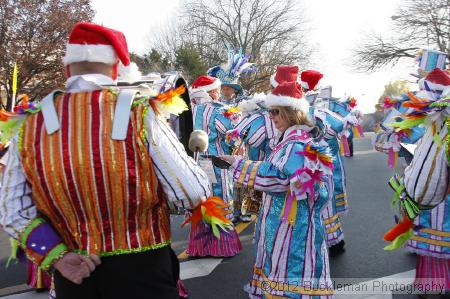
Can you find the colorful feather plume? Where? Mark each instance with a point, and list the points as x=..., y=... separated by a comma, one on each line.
x=213, y=212
x=170, y=101
x=352, y=103
x=10, y=122
x=237, y=64
x=231, y=113
x=399, y=234
x=389, y=103
x=318, y=154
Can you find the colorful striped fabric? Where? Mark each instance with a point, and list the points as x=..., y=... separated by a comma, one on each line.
x=291, y=258
x=260, y=132
x=210, y=118
x=332, y=125
x=202, y=242
x=432, y=272
x=427, y=177
x=101, y=195
x=433, y=237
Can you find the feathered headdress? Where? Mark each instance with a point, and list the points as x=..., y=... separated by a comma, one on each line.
x=237, y=64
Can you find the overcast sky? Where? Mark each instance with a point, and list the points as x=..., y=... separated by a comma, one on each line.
x=336, y=25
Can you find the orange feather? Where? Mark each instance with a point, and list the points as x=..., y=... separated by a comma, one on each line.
x=399, y=229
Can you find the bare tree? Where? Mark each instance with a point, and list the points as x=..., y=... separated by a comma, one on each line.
x=272, y=31
x=416, y=23
x=33, y=34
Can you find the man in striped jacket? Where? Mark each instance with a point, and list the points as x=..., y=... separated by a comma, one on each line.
x=91, y=176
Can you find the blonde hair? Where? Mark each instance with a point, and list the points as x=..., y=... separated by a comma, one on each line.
x=293, y=117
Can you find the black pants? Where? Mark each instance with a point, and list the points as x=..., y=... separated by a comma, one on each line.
x=147, y=275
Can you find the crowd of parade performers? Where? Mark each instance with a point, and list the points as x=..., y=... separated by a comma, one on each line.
x=416, y=127
x=99, y=217
x=97, y=211
x=283, y=151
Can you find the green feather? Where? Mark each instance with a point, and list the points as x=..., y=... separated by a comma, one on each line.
x=408, y=123
x=14, y=248
x=400, y=240
x=9, y=128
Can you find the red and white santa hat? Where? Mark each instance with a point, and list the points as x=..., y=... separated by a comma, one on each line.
x=436, y=80
x=207, y=83
x=94, y=43
x=288, y=94
x=285, y=73
x=310, y=78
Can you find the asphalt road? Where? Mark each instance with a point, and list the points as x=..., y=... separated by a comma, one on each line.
x=369, y=217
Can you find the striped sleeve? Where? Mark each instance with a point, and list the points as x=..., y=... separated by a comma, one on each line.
x=427, y=177
x=17, y=209
x=274, y=177
x=259, y=175
x=222, y=123
x=255, y=124
x=184, y=182
x=19, y=217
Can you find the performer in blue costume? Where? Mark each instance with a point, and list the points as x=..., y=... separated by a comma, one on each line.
x=256, y=129
x=237, y=64
x=232, y=94
x=332, y=125
x=215, y=118
x=340, y=111
x=332, y=117
x=291, y=259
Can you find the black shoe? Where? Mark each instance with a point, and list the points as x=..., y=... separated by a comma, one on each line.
x=336, y=249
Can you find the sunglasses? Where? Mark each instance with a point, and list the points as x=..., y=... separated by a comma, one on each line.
x=274, y=112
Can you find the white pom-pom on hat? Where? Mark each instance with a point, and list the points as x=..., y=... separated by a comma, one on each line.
x=129, y=73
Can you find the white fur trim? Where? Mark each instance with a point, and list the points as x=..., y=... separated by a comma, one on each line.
x=214, y=85
x=252, y=104
x=305, y=85
x=129, y=73
x=298, y=104
x=273, y=82
x=91, y=53
x=433, y=86
x=199, y=96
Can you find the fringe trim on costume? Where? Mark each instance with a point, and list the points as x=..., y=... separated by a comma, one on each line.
x=202, y=242
x=425, y=252
x=127, y=251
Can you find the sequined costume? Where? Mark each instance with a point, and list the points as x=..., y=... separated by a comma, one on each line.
x=290, y=251
x=333, y=126
x=210, y=117
x=79, y=190
x=259, y=134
